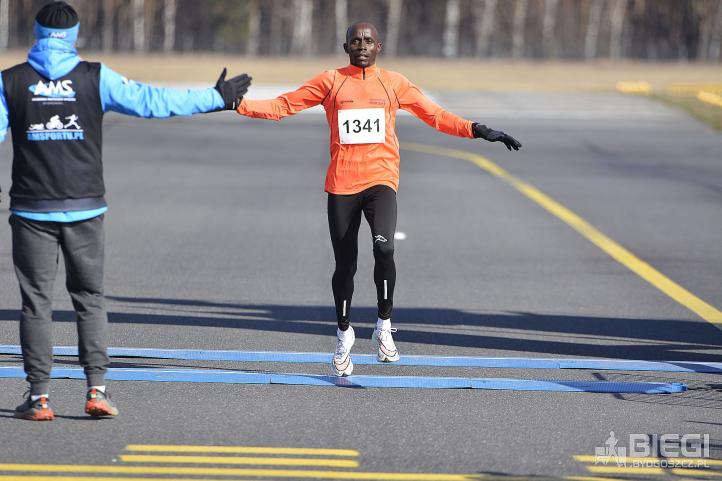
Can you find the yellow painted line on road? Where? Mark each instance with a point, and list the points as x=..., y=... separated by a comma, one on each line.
x=693, y=88
x=636, y=87
x=592, y=478
x=98, y=478
x=630, y=460
x=678, y=293
x=697, y=473
x=710, y=98
x=327, y=463
x=624, y=470
x=182, y=448
x=213, y=471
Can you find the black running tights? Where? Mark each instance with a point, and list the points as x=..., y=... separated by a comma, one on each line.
x=378, y=204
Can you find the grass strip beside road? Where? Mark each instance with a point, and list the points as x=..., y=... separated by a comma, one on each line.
x=706, y=112
x=464, y=74
x=669, y=82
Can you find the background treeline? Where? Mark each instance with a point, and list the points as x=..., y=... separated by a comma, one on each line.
x=568, y=29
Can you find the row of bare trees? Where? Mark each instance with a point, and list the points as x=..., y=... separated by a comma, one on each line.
x=588, y=29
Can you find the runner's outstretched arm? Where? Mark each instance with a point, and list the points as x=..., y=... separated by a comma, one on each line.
x=118, y=94
x=306, y=96
x=412, y=100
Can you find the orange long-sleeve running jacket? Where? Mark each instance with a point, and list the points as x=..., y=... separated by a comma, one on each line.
x=361, y=107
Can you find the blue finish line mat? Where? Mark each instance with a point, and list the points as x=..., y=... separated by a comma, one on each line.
x=409, y=382
x=406, y=360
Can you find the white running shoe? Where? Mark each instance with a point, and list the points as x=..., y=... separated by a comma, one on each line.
x=387, y=349
x=341, y=364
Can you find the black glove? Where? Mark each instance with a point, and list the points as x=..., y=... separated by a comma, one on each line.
x=484, y=132
x=232, y=90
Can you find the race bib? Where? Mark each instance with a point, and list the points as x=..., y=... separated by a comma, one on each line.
x=362, y=126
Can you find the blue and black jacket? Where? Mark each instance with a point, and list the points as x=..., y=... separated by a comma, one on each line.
x=54, y=105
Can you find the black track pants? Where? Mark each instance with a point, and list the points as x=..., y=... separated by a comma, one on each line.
x=378, y=204
x=36, y=247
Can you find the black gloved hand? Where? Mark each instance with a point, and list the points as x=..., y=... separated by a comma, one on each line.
x=484, y=132
x=232, y=90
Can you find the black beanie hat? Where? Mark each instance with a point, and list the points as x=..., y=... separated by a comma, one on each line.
x=57, y=15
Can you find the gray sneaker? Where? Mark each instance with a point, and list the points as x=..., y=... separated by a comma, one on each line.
x=98, y=404
x=38, y=410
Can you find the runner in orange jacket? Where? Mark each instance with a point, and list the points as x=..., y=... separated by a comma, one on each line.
x=361, y=101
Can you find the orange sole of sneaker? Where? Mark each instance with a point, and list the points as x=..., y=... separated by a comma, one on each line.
x=42, y=415
x=97, y=409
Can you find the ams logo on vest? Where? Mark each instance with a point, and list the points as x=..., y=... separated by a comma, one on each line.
x=61, y=89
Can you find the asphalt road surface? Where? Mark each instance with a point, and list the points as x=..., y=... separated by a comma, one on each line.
x=217, y=239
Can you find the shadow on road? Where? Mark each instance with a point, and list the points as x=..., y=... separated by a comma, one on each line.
x=700, y=393
x=10, y=413
x=558, y=335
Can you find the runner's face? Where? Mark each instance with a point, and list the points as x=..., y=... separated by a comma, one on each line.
x=362, y=47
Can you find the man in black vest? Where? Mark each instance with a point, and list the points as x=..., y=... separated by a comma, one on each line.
x=54, y=105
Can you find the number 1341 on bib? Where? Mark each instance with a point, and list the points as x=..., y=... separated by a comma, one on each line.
x=362, y=126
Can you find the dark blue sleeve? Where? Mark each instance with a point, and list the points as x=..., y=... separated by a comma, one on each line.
x=118, y=94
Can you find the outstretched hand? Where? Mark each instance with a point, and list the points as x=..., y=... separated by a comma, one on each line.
x=484, y=132
x=232, y=90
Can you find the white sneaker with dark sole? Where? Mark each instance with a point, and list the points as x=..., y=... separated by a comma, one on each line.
x=342, y=364
x=387, y=351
